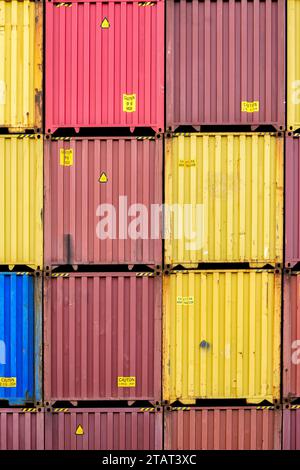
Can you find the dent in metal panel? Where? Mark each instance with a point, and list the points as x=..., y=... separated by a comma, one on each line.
x=21, y=197
x=102, y=337
x=221, y=335
x=21, y=48
x=113, y=76
x=229, y=189
x=22, y=430
x=221, y=69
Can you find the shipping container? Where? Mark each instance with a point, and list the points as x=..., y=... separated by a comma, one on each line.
x=291, y=336
x=291, y=428
x=224, y=198
x=220, y=428
x=102, y=337
x=221, y=335
x=88, y=179
x=21, y=430
x=225, y=63
x=20, y=338
x=21, y=200
x=104, y=429
x=292, y=201
x=293, y=65
x=105, y=64
x=21, y=67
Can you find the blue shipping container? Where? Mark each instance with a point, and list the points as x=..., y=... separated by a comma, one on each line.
x=20, y=338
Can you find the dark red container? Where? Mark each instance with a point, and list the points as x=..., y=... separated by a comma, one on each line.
x=21, y=430
x=102, y=337
x=221, y=54
x=292, y=201
x=291, y=428
x=104, y=429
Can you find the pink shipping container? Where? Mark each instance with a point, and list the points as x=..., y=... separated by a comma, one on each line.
x=81, y=176
x=292, y=201
x=104, y=429
x=102, y=337
x=225, y=63
x=221, y=428
x=105, y=64
x=291, y=428
x=291, y=336
x=21, y=430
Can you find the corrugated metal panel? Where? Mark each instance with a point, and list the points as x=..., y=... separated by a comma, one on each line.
x=221, y=428
x=222, y=335
x=237, y=181
x=132, y=169
x=21, y=200
x=21, y=49
x=100, y=328
x=292, y=201
x=291, y=428
x=293, y=65
x=104, y=429
x=20, y=430
x=105, y=65
x=20, y=338
x=291, y=336
x=221, y=54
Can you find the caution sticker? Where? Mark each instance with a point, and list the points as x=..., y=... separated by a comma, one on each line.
x=126, y=382
x=66, y=157
x=187, y=163
x=250, y=106
x=103, y=178
x=185, y=300
x=129, y=103
x=79, y=430
x=105, y=24
x=8, y=382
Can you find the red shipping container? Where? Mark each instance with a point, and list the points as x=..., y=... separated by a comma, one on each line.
x=292, y=201
x=104, y=429
x=220, y=428
x=102, y=337
x=131, y=173
x=291, y=428
x=21, y=430
x=225, y=63
x=291, y=336
x=105, y=64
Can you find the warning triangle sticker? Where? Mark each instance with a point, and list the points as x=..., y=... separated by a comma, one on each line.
x=103, y=178
x=105, y=23
x=79, y=430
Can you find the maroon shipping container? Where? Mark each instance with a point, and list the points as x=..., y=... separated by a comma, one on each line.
x=291, y=428
x=291, y=336
x=84, y=174
x=102, y=337
x=225, y=63
x=220, y=428
x=104, y=429
x=292, y=201
x=105, y=64
x=21, y=430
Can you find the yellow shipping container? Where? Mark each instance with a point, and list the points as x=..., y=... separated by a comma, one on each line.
x=229, y=189
x=221, y=335
x=21, y=49
x=21, y=201
x=293, y=65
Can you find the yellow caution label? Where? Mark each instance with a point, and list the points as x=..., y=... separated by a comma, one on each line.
x=250, y=106
x=79, y=430
x=129, y=103
x=103, y=178
x=187, y=163
x=8, y=382
x=185, y=300
x=66, y=157
x=105, y=23
x=126, y=381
